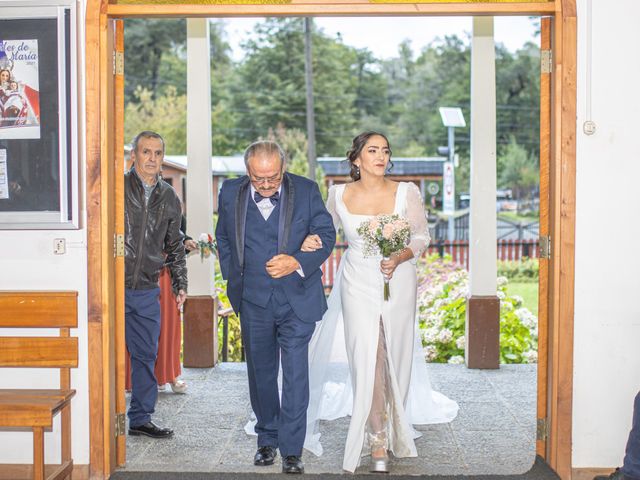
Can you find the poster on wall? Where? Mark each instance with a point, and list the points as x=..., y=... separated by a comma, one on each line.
x=4, y=181
x=39, y=186
x=19, y=89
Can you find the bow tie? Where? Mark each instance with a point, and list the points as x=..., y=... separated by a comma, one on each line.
x=273, y=198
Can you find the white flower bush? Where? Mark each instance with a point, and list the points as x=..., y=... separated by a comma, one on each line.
x=456, y=360
x=442, y=299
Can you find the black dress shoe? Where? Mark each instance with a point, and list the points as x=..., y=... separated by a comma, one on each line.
x=152, y=430
x=616, y=475
x=292, y=464
x=265, y=456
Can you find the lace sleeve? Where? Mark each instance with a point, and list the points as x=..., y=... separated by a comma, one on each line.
x=331, y=206
x=420, y=237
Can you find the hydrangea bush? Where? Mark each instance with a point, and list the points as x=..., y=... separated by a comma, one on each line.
x=442, y=303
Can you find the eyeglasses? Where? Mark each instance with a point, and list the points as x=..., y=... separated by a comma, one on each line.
x=268, y=180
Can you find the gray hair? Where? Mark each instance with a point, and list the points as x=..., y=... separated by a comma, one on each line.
x=145, y=134
x=266, y=147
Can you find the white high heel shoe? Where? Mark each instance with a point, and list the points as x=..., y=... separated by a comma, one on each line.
x=379, y=464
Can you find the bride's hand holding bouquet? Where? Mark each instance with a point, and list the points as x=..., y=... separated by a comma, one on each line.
x=387, y=235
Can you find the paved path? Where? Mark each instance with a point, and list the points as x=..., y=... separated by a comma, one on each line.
x=493, y=433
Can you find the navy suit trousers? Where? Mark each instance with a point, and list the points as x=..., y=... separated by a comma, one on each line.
x=270, y=335
x=142, y=330
x=631, y=465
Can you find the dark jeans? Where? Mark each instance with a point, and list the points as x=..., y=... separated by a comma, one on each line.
x=142, y=330
x=631, y=466
x=272, y=335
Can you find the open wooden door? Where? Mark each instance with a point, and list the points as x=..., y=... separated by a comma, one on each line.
x=118, y=166
x=543, y=286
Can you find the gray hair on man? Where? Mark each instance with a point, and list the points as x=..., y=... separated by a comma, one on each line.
x=145, y=134
x=264, y=147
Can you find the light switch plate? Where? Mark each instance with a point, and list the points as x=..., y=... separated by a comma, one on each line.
x=59, y=246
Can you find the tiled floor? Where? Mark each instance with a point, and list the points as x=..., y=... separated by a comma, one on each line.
x=493, y=433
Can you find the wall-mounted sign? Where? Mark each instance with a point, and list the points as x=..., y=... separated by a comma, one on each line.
x=19, y=89
x=38, y=153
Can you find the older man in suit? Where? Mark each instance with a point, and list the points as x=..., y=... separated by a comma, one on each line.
x=276, y=288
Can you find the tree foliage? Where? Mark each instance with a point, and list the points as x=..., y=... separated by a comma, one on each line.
x=520, y=170
x=295, y=144
x=166, y=114
x=353, y=91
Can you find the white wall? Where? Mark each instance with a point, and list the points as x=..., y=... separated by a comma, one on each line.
x=607, y=293
x=27, y=262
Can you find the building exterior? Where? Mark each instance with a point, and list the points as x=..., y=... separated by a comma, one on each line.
x=419, y=170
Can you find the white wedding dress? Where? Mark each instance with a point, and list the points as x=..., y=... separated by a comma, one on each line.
x=380, y=342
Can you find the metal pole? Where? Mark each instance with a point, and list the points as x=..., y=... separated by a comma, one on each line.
x=308, y=74
x=451, y=227
x=450, y=143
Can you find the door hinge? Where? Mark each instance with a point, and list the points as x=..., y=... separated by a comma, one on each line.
x=118, y=245
x=542, y=429
x=120, y=424
x=546, y=61
x=545, y=246
x=118, y=63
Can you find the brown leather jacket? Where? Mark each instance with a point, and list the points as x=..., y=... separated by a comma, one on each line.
x=152, y=236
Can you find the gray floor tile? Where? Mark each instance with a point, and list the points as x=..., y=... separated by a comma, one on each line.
x=493, y=433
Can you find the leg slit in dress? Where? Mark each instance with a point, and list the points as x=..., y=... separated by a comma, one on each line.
x=377, y=427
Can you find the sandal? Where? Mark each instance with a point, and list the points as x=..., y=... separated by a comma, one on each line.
x=179, y=386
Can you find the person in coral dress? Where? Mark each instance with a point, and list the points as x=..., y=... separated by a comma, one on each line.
x=168, y=368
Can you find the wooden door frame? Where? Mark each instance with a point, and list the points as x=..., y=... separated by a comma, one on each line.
x=100, y=157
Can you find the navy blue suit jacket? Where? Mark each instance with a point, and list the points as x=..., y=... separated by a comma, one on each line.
x=302, y=212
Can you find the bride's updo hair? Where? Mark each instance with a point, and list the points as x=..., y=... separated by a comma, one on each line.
x=357, y=145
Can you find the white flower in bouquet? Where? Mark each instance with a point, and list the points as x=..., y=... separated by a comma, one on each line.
x=460, y=342
x=206, y=245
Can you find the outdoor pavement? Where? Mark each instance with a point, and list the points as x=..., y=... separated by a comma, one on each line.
x=494, y=432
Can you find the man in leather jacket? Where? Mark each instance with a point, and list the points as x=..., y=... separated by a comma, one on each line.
x=152, y=239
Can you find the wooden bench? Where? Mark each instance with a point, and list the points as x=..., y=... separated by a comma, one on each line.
x=34, y=409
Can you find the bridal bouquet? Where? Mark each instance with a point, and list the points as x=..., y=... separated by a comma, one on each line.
x=386, y=235
x=206, y=245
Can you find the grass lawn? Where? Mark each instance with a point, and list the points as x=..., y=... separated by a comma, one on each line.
x=528, y=291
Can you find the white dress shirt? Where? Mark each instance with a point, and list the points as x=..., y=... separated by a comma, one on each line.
x=265, y=206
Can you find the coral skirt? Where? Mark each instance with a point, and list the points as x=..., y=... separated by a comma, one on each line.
x=168, y=360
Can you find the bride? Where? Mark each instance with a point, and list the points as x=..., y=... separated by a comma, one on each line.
x=387, y=388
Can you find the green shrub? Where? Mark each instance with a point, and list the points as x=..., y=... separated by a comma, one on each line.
x=523, y=271
x=442, y=304
x=234, y=339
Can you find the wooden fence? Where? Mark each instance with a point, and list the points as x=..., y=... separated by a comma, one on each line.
x=458, y=250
